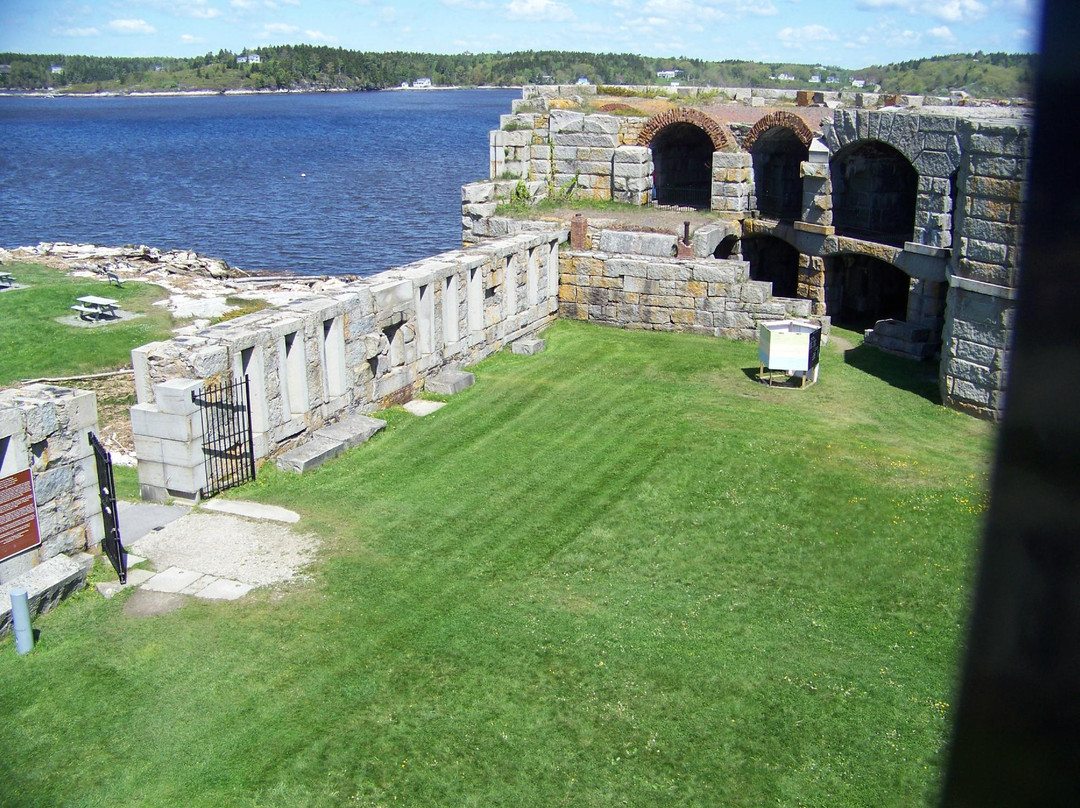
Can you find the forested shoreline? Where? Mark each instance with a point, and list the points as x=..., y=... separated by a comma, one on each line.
x=312, y=67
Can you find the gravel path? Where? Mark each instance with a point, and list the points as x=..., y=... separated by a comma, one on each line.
x=255, y=553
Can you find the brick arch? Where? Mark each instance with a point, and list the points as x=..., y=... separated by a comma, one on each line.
x=787, y=120
x=716, y=131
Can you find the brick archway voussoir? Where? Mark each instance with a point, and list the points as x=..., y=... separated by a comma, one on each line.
x=717, y=132
x=787, y=120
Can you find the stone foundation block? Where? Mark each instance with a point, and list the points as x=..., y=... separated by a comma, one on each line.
x=310, y=455
x=528, y=346
x=449, y=381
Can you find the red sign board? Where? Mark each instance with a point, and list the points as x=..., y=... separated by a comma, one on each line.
x=18, y=514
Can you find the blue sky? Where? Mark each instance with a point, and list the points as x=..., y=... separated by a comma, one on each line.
x=847, y=33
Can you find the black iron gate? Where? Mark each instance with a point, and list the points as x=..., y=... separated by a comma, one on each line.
x=228, y=449
x=114, y=548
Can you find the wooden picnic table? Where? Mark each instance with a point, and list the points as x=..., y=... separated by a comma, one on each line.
x=6, y=280
x=92, y=307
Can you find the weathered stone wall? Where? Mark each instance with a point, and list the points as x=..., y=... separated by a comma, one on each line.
x=713, y=297
x=985, y=266
x=45, y=428
x=370, y=346
x=970, y=165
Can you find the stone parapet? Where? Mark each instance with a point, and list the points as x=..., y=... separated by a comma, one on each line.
x=371, y=345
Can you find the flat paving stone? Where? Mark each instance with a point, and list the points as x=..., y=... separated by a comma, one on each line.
x=352, y=430
x=224, y=589
x=252, y=510
x=139, y=518
x=173, y=580
x=420, y=408
x=198, y=585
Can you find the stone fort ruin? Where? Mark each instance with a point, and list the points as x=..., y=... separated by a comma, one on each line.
x=902, y=220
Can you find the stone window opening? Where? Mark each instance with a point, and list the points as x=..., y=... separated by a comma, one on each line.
x=777, y=154
x=425, y=319
x=874, y=193
x=773, y=260
x=395, y=338
x=475, y=295
x=294, y=375
x=450, y=310
x=682, y=166
x=251, y=365
x=860, y=290
x=333, y=345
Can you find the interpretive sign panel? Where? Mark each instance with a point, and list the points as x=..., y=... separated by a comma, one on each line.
x=18, y=514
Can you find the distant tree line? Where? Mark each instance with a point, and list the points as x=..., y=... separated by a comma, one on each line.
x=322, y=67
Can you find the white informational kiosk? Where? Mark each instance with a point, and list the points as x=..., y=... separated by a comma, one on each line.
x=790, y=346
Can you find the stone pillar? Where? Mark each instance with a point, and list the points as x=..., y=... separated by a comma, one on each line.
x=168, y=442
x=817, y=186
x=579, y=232
x=811, y=283
x=976, y=344
x=631, y=175
x=732, y=183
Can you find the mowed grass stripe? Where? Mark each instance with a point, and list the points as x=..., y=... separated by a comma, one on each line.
x=618, y=572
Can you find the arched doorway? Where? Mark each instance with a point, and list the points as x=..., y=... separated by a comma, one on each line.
x=727, y=248
x=860, y=290
x=874, y=193
x=777, y=153
x=682, y=166
x=773, y=260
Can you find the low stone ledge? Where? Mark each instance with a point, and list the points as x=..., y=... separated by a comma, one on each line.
x=450, y=381
x=46, y=584
x=310, y=455
x=352, y=430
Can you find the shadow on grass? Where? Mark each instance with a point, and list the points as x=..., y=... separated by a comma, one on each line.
x=779, y=380
x=904, y=374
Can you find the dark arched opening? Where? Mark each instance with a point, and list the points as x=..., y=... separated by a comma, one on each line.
x=860, y=290
x=682, y=166
x=874, y=193
x=773, y=260
x=777, y=154
x=727, y=248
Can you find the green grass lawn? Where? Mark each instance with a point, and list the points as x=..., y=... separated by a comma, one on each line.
x=616, y=573
x=33, y=344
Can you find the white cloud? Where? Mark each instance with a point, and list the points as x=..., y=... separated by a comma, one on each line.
x=132, y=26
x=77, y=31
x=244, y=5
x=319, y=36
x=956, y=10
x=807, y=33
x=949, y=10
x=943, y=33
x=198, y=9
x=539, y=10
x=472, y=5
x=279, y=28
x=188, y=39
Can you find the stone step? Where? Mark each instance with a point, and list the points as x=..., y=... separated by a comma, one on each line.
x=528, y=346
x=329, y=442
x=450, y=381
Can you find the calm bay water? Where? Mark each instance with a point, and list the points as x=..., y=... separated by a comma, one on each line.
x=316, y=184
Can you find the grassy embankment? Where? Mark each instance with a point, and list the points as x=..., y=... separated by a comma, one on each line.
x=616, y=573
x=34, y=344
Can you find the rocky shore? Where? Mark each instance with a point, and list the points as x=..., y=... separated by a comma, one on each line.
x=199, y=286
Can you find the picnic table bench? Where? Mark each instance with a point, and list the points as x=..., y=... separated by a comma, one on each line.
x=6, y=280
x=91, y=307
